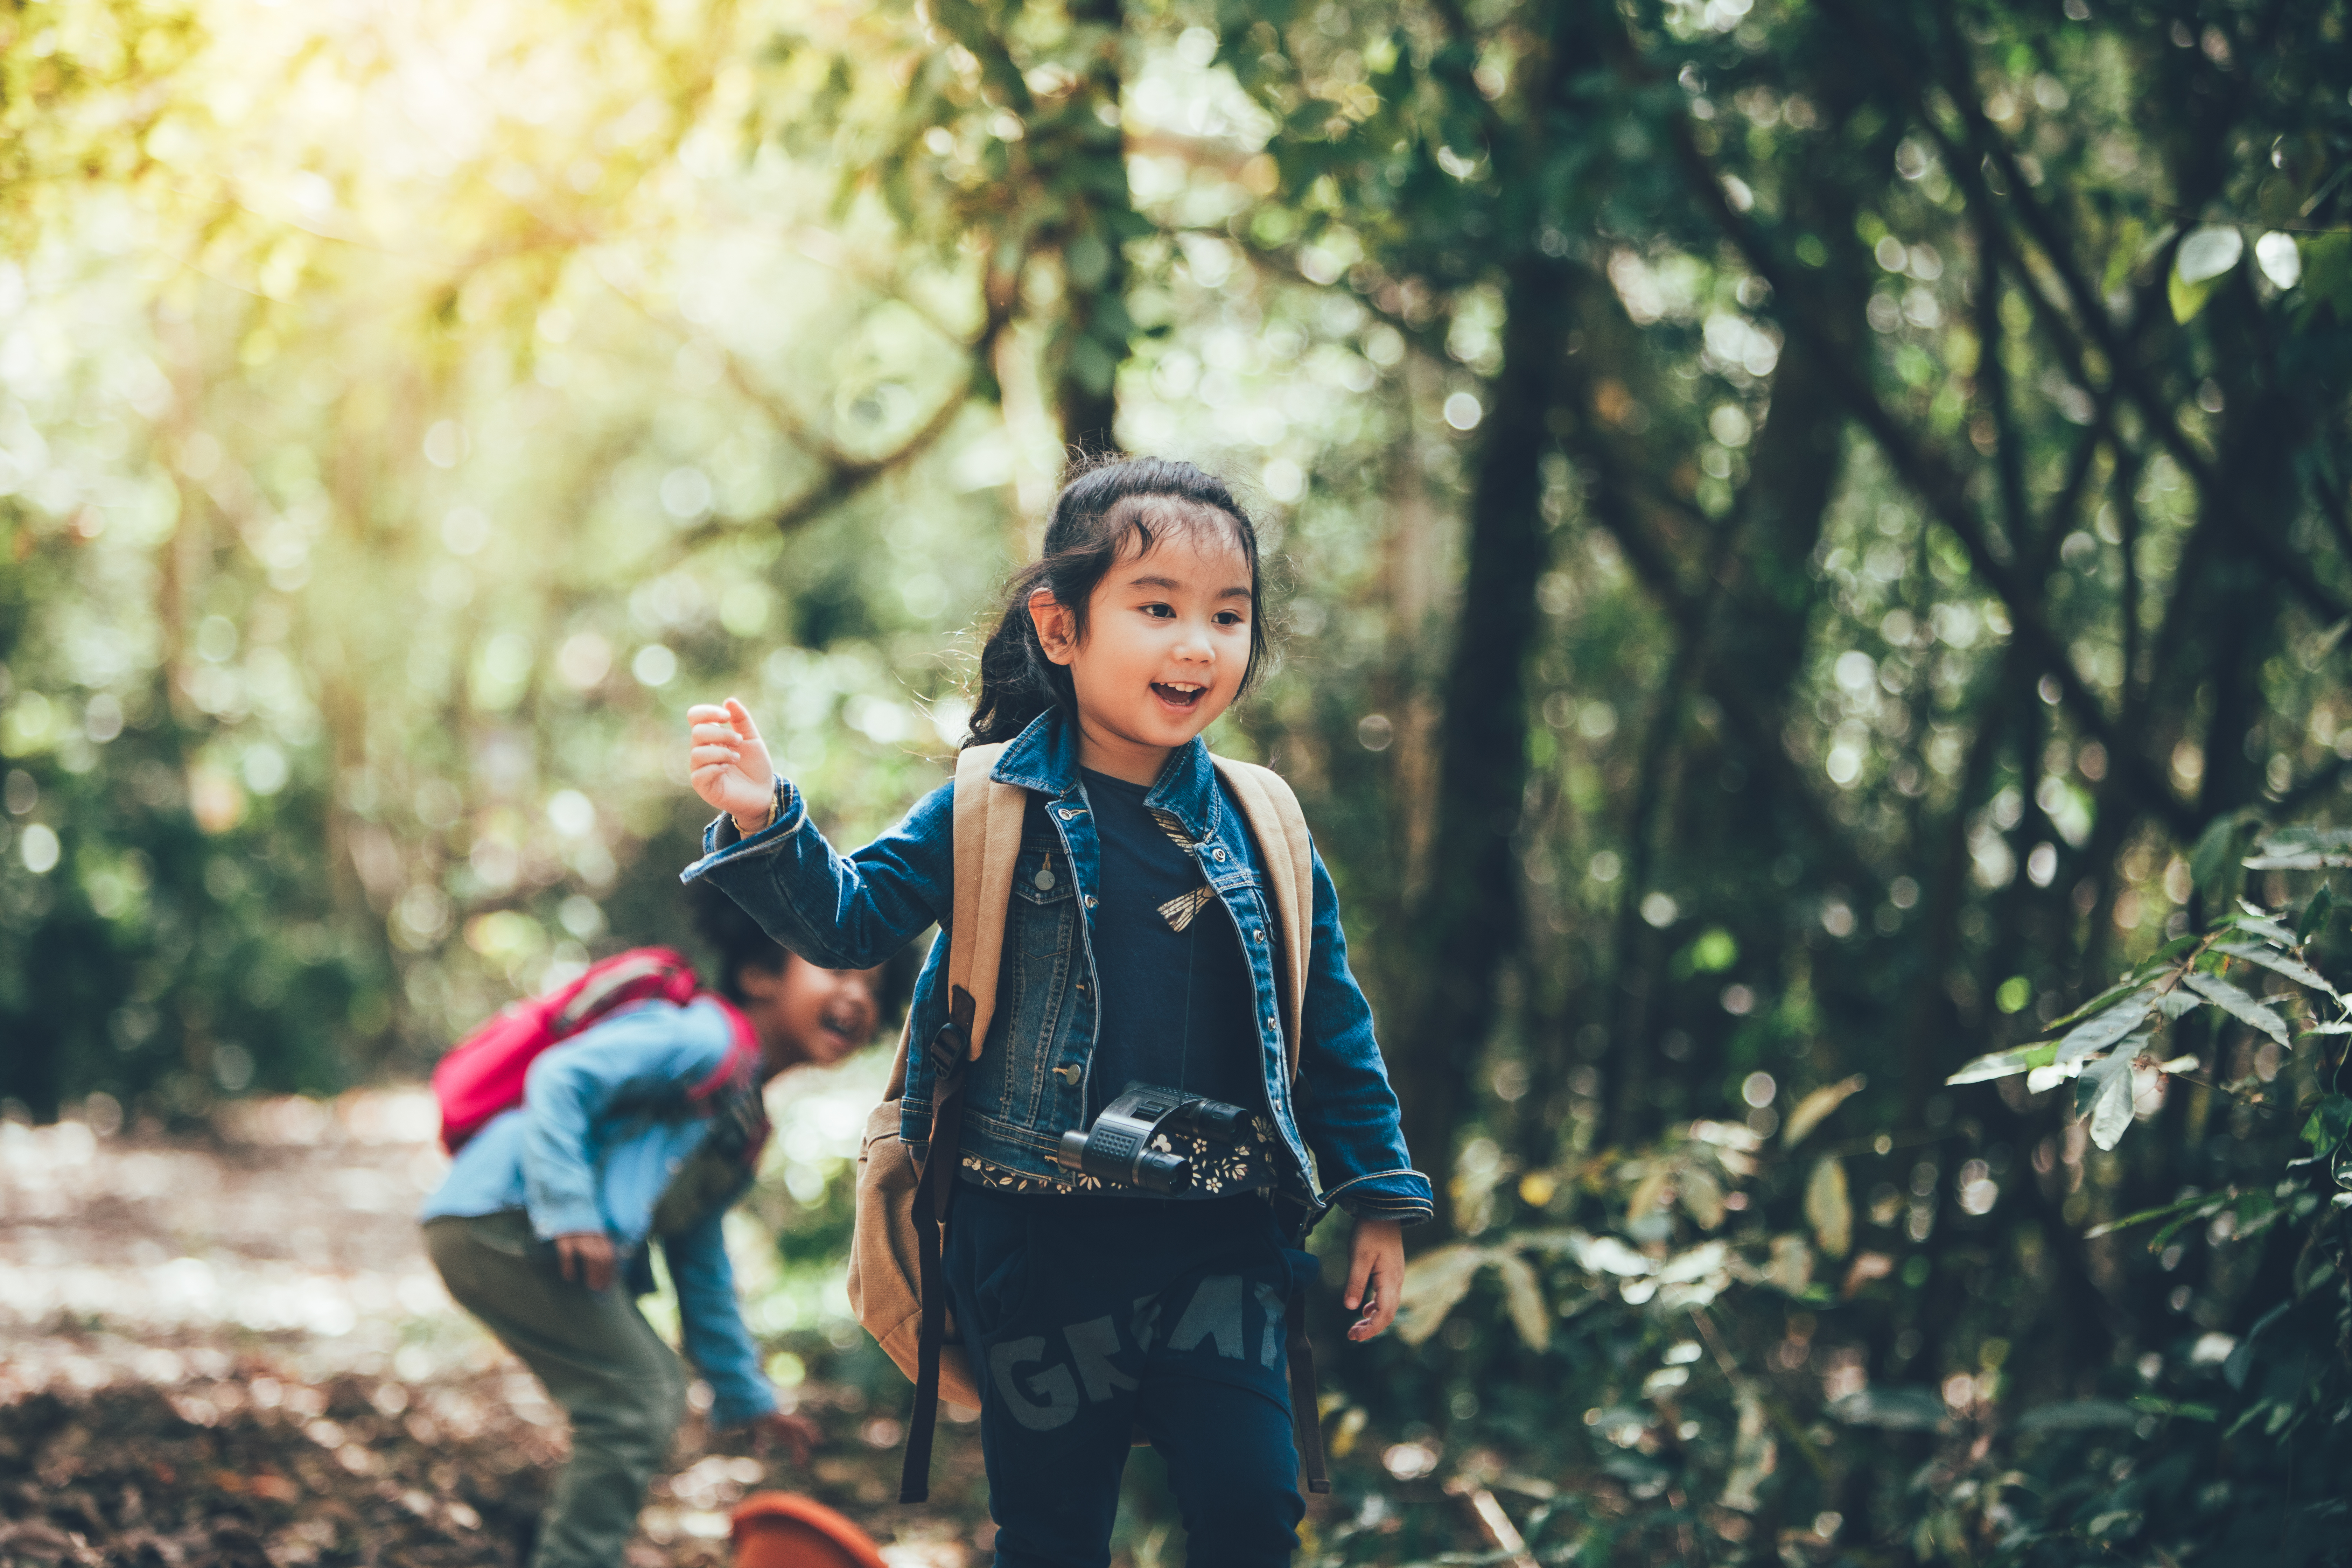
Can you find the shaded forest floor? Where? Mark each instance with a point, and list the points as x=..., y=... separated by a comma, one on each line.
x=230, y=1349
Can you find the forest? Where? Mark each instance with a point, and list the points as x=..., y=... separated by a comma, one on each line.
x=1815, y=551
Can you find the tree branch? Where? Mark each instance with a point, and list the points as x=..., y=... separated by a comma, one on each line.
x=1929, y=476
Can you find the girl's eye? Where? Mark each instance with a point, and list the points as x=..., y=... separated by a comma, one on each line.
x=1229, y=618
x=1162, y=610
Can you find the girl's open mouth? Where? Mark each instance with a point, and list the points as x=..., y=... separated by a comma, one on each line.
x=1178, y=696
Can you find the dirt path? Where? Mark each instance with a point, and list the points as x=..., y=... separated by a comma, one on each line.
x=231, y=1351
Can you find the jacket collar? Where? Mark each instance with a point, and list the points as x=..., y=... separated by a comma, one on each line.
x=1045, y=757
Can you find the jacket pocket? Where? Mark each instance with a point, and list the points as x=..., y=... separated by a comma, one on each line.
x=1044, y=897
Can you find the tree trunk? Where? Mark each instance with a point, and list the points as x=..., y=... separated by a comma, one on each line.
x=1092, y=338
x=1467, y=922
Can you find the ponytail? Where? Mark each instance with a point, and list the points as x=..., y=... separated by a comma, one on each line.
x=1102, y=503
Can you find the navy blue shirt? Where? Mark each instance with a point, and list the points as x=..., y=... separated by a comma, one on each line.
x=1176, y=1003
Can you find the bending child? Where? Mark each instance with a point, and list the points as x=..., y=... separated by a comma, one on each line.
x=1140, y=948
x=541, y=1226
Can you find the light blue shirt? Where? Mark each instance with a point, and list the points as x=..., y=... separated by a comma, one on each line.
x=603, y=1126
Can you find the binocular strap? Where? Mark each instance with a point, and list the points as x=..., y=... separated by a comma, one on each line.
x=934, y=1192
x=1306, y=1410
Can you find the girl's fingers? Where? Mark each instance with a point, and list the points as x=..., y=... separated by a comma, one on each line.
x=1384, y=1297
x=712, y=756
x=742, y=717
x=1359, y=1269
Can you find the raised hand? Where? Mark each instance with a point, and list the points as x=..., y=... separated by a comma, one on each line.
x=728, y=763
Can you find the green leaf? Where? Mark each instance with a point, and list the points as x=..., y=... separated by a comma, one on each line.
x=2124, y=254
x=2262, y=922
x=2238, y=1005
x=2162, y=958
x=2314, y=914
x=2077, y=1415
x=1896, y=1409
x=2299, y=861
x=2186, y=298
x=1829, y=1208
x=2326, y=277
x=2214, y=845
x=2163, y=1211
x=2119, y=989
x=2330, y=1120
x=2277, y=963
x=1811, y=1109
x=2208, y=253
x=2242, y=1360
x=2004, y=1064
x=1701, y=1195
x=1433, y=1283
x=2156, y=1406
x=1523, y=1299
x=2303, y=848
x=2103, y=1097
x=2106, y=1028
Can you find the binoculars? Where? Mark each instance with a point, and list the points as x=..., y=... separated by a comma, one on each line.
x=1116, y=1150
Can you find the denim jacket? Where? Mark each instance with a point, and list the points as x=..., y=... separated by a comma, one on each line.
x=1337, y=1123
x=601, y=1135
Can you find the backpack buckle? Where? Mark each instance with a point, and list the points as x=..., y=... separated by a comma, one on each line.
x=949, y=1046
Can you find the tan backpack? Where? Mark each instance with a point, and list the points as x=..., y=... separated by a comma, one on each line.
x=895, y=1284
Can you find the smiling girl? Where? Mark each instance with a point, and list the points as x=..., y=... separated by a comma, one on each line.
x=1137, y=951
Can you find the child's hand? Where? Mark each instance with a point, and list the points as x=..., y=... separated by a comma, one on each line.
x=587, y=1255
x=1375, y=1276
x=729, y=765
x=797, y=1433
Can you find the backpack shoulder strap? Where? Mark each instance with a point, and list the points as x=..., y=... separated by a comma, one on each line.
x=987, y=846
x=979, y=803
x=1272, y=814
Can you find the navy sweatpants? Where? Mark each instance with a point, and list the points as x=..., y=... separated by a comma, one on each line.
x=1088, y=1318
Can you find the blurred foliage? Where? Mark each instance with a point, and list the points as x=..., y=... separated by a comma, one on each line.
x=1810, y=527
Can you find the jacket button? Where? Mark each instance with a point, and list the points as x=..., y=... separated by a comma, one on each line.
x=1090, y=900
x=1067, y=1074
x=1217, y=855
x=1259, y=933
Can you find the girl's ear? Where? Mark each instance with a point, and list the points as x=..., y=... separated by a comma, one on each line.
x=1053, y=621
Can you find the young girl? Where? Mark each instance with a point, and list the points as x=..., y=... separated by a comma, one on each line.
x=1140, y=949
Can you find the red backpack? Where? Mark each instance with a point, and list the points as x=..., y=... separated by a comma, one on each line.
x=483, y=1074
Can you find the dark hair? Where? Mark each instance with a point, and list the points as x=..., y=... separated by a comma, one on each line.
x=1104, y=501
x=738, y=942
x=734, y=938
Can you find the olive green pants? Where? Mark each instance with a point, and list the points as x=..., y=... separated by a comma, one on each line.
x=624, y=1389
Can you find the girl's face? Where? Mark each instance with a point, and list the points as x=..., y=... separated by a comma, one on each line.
x=1166, y=643
x=803, y=1014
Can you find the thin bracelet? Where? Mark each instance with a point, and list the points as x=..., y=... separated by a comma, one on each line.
x=775, y=810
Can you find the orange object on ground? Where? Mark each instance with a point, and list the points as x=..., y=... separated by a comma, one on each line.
x=784, y=1529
